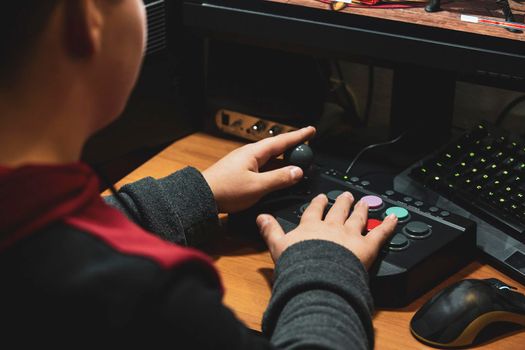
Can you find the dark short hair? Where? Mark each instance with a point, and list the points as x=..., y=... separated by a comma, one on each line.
x=21, y=23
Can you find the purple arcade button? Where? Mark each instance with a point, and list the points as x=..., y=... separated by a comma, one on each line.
x=373, y=202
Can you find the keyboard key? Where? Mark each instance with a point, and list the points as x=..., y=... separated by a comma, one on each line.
x=521, y=187
x=518, y=197
x=478, y=132
x=482, y=170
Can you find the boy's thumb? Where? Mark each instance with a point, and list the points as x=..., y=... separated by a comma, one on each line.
x=280, y=178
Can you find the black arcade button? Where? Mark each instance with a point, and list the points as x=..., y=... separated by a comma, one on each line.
x=398, y=242
x=332, y=195
x=303, y=207
x=417, y=229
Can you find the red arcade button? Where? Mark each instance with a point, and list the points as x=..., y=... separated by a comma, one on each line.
x=372, y=224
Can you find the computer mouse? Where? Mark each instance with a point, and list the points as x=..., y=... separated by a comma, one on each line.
x=456, y=315
x=300, y=155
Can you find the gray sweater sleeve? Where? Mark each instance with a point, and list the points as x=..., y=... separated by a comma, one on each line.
x=320, y=299
x=179, y=208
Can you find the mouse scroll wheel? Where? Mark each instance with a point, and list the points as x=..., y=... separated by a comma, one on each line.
x=499, y=284
x=506, y=287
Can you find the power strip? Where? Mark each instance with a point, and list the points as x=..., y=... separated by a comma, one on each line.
x=247, y=126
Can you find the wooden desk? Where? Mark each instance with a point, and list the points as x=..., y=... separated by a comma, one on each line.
x=246, y=268
x=448, y=18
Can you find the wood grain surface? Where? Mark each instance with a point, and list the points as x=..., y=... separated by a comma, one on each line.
x=246, y=267
x=448, y=18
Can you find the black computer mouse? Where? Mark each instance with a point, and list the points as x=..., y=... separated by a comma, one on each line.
x=300, y=155
x=456, y=315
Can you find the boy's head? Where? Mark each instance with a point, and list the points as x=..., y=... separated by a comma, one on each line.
x=89, y=47
x=20, y=23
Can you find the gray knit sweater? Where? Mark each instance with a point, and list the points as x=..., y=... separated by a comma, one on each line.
x=320, y=297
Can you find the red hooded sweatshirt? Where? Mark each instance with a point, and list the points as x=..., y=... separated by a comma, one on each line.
x=71, y=263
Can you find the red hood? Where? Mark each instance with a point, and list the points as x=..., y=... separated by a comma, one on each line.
x=35, y=196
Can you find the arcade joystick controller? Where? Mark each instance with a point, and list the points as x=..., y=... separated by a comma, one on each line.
x=428, y=245
x=301, y=156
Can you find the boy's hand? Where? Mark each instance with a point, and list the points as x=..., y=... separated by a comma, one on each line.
x=337, y=227
x=235, y=180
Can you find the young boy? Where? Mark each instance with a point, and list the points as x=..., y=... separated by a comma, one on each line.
x=75, y=268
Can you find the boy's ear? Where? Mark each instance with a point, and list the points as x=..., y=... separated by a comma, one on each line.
x=83, y=25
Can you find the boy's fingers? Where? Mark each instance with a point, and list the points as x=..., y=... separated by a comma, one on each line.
x=357, y=221
x=274, y=146
x=341, y=208
x=270, y=181
x=315, y=210
x=379, y=235
x=270, y=229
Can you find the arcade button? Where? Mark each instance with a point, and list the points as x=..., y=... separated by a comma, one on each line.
x=444, y=213
x=332, y=195
x=418, y=203
x=417, y=230
x=433, y=209
x=327, y=209
x=389, y=192
x=303, y=207
x=372, y=224
x=401, y=213
x=374, y=202
x=407, y=199
x=398, y=242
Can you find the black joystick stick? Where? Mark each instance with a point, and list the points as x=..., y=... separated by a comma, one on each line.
x=301, y=156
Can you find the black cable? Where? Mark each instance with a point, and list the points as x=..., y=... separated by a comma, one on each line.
x=503, y=114
x=369, y=95
x=373, y=146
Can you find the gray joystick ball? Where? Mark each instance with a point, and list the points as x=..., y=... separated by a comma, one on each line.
x=300, y=155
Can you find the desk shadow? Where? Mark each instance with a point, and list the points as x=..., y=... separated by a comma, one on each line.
x=267, y=273
x=456, y=277
x=228, y=242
